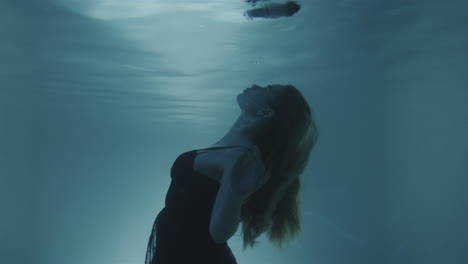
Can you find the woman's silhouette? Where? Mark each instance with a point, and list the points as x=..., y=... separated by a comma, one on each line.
x=250, y=176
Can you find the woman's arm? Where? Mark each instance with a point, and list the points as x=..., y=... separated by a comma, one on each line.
x=241, y=179
x=225, y=216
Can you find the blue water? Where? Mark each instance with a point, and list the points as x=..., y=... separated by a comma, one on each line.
x=97, y=99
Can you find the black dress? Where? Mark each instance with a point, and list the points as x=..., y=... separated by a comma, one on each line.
x=180, y=232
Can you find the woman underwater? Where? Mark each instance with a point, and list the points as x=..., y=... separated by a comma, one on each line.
x=251, y=176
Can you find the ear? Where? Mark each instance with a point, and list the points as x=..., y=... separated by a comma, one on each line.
x=266, y=113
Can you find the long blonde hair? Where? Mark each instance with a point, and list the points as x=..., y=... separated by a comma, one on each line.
x=285, y=144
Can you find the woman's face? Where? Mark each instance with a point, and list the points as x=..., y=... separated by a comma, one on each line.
x=256, y=97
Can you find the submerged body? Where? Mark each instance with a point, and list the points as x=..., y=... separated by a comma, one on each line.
x=252, y=178
x=207, y=190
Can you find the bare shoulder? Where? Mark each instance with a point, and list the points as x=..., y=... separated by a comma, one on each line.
x=232, y=156
x=213, y=163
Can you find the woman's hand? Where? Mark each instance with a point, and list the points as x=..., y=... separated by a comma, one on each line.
x=247, y=173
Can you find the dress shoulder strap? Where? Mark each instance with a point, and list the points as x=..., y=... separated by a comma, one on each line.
x=223, y=147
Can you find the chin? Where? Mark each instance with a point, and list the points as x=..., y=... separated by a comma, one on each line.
x=238, y=99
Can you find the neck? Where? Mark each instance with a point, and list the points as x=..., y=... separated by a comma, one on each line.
x=240, y=134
